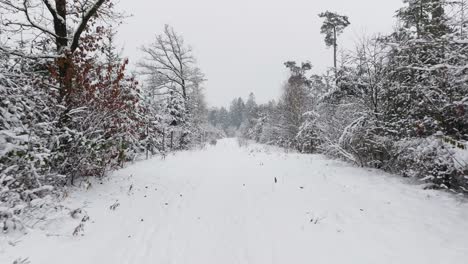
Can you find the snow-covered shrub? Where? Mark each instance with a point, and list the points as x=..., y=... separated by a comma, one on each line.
x=272, y=134
x=363, y=141
x=27, y=127
x=99, y=120
x=53, y=132
x=257, y=129
x=185, y=140
x=9, y=220
x=151, y=138
x=242, y=142
x=433, y=160
x=308, y=139
x=212, y=133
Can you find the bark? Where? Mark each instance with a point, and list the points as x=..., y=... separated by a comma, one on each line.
x=335, y=47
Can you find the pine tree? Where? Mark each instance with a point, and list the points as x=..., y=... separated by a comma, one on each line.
x=333, y=25
x=251, y=107
x=237, y=112
x=424, y=17
x=176, y=110
x=418, y=78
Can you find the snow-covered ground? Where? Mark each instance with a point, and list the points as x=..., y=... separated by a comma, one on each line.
x=222, y=205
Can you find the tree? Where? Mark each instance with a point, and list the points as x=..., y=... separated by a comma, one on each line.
x=333, y=25
x=224, y=118
x=297, y=73
x=251, y=107
x=174, y=76
x=109, y=51
x=197, y=106
x=423, y=56
x=237, y=112
x=170, y=64
x=294, y=102
x=427, y=17
x=369, y=72
x=400, y=103
x=463, y=18
x=62, y=22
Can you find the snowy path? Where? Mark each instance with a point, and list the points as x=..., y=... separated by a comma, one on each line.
x=221, y=205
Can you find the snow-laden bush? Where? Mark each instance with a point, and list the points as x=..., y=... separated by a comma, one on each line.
x=308, y=139
x=435, y=160
x=99, y=119
x=272, y=134
x=50, y=137
x=27, y=147
x=362, y=140
x=257, y=129
x=27, y=131
x=212, y=133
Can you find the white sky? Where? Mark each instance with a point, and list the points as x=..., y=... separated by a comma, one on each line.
x=241, y=45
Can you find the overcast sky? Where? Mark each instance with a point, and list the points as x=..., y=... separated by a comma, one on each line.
x=241, y=45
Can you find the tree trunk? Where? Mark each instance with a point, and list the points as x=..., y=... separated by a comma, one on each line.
x=184, y=90
x=462, y=24
x=172, y=140
x=164, y=141
x=61, y=42
x=147, y=141
x=335, y=47
x=60, y=26
x=419, y=23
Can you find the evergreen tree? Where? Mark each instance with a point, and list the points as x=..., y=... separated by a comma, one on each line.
x=418, y=78
x=251, y=107
x=333, y=25
x=224, y=118
x=426, y=18
x=237, y=112
x=176, y=110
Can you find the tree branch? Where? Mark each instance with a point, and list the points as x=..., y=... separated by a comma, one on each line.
x=81, y=27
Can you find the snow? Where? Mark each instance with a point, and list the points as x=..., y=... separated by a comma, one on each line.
x=222, y=205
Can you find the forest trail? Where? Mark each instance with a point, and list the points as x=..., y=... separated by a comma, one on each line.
x=222, y=205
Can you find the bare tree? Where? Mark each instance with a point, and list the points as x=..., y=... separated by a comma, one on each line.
x=370, y=60
x=63, y=21
x=170, y=64
x=40, y=23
